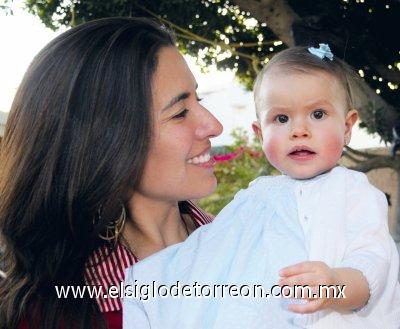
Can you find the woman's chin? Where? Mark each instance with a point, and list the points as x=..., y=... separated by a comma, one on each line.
x=203, y=188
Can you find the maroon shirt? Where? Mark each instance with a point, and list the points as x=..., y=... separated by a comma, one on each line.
x=106, y=271
x=111, y=271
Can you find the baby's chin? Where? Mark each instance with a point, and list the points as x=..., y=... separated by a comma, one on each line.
x=306, y=174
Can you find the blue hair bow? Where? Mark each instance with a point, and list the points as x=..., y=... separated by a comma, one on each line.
x=322, y=52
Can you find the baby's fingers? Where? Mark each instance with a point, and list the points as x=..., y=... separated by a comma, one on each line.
x=305, y=292
x=303, y=267
x=298, y=268
x=310, y=307
x=309, y=279
x=300, y=292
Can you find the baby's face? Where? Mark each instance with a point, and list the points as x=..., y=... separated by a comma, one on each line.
x=303, y=122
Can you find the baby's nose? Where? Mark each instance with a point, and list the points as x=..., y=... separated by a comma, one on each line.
x=300, y=130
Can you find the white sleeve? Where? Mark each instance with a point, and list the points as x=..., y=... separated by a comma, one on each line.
x=134, y=315
x=368, y=246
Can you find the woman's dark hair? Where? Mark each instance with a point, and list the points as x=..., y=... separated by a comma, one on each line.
x=76, y=139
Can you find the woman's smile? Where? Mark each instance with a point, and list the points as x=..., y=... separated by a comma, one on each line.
x=201, y=158
x=179, y=163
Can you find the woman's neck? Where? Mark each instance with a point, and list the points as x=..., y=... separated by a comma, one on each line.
x=153, y=225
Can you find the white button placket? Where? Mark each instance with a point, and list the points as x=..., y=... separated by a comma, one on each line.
x=302, y=206
x=299, y=197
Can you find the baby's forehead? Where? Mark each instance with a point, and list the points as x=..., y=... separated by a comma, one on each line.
x=291, y=88
x=284, y=80
x=278, y=72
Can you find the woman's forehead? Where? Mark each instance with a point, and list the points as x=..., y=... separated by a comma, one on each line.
x=171, y=78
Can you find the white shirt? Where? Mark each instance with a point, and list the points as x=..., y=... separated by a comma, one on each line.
x=344, y=219
x=337, y=218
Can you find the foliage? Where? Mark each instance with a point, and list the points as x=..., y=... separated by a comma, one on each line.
x=5, y=7
x=363, y=32
x=236, y=174
x=219, y=32
x=202, y=27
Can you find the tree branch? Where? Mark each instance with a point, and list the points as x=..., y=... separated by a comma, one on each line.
x=278, y=15
x=252, y=44
x=369, y=104
x=375, y=163
x=363, y=154
x=352, y=158
x=186, y=34
x=383, y=70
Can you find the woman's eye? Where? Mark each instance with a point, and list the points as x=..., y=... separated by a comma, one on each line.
x=318, y=114
x=281, y=118
x=199, y=99
x=181, y=114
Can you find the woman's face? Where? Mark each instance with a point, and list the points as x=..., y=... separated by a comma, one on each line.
x=179, y=166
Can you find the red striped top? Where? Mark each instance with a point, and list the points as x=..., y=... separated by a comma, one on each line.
x=108, y=270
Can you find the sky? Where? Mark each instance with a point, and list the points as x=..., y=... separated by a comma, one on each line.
x=22, y=35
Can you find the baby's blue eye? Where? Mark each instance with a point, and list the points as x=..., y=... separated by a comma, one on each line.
x=318, y=114
x=281, y=118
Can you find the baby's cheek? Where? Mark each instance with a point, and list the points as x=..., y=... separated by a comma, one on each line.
x=272, y=150
x=333, y=148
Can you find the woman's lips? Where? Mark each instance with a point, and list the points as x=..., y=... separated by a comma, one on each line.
x=204, y=160
x=209, y=164
x=201, y=158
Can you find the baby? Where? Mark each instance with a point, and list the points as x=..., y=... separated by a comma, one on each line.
x=316, y=225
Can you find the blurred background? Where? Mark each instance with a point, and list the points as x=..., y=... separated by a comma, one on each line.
x=226, y=43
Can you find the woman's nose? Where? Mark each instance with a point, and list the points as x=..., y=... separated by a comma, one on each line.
x=208, y=125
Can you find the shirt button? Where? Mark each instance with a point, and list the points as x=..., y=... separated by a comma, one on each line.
x=301, y=192
x=305, y=218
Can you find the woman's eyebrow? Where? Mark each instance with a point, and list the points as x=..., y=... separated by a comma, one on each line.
x=176, y=99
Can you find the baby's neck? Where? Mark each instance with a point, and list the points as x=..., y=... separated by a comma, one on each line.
x=312, y=177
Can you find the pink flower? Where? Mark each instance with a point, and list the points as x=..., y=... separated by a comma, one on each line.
x=225, y=157
x=239, y=151
x=255, y=154
x=229, y=156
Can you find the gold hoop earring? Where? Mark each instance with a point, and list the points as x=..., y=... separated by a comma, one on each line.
x=114, y=229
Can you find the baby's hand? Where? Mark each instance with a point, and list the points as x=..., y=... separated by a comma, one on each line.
x=312, y=274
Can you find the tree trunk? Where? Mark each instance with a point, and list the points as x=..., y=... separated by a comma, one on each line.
x=278, y=15
x=397, y=213
x=373, y=108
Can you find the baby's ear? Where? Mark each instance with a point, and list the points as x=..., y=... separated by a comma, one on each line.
x=351, y=119
x=257, y=130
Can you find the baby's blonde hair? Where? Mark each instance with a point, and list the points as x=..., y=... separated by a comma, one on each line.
x=299, y=59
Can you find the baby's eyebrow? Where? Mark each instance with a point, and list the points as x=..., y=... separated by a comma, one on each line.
x=319, y=102
x=278, y=109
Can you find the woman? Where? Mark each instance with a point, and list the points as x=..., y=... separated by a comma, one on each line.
x=105, y=141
